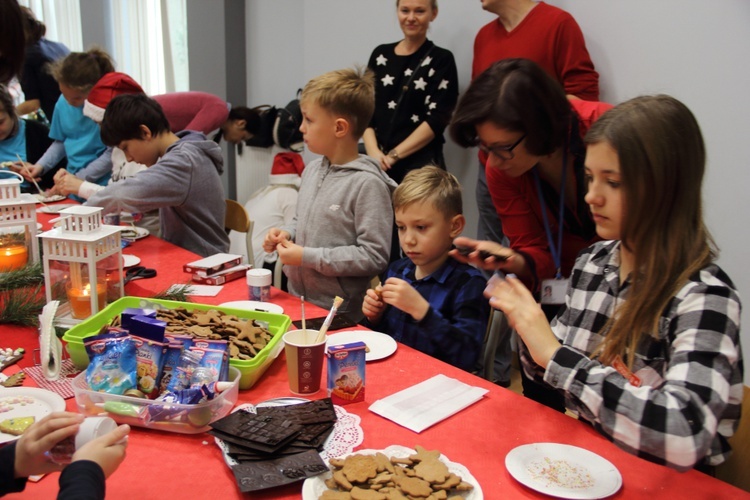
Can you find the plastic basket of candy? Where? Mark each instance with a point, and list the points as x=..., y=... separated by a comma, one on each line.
x=166, y=415
x=251, y=358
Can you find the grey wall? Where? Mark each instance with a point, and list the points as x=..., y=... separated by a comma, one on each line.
x=692, y=49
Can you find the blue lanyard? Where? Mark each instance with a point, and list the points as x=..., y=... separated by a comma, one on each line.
x=555, y=250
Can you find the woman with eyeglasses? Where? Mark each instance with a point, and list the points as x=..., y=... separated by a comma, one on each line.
x=530, y=137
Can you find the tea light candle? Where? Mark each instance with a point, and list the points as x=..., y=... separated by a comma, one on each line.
x=13, y=257
x=80, y=300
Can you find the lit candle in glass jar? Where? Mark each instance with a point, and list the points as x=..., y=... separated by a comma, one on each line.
x=80, y=299
x=13, y=257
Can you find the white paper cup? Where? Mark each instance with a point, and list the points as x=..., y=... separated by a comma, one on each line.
x=304, y=360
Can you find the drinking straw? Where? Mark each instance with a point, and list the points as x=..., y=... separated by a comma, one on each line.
x=304, y=326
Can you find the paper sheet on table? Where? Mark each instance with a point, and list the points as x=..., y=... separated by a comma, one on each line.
x=198, y=290
x=427, y=403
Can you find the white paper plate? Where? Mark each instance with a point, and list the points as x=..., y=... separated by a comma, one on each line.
x=381, y=345
x=55, y=209
x=44, y=402
x=578, y=473
x=40, y=198
x=140, y=232
x=130, y=260
x=314, y=487
x=254, y=305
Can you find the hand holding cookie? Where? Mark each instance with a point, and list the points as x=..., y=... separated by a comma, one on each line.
x=373, y=305
x=273, y=238
x=290, y=253
x=67, y=184
x=405, y=297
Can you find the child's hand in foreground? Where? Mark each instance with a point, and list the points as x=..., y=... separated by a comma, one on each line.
x=108, y=450
x=39, y=438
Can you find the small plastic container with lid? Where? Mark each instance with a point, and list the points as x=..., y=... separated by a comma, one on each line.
x=91, y=428
x=259, y=284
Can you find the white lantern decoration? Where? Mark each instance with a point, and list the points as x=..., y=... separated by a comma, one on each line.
x=18, y=243
x=82, y=263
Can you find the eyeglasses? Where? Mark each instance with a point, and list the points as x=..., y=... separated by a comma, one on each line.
x=502, y=152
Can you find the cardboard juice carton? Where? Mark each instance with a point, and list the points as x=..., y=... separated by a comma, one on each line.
x=346, y=373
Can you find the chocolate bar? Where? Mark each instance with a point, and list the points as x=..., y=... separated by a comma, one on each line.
x=254, y=476
x=258, y=431
x=313, y=412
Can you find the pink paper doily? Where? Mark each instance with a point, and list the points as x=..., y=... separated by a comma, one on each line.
x=347, y=434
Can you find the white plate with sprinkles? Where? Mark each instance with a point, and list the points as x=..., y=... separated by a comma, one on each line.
x=17, y=402
x=563, y=471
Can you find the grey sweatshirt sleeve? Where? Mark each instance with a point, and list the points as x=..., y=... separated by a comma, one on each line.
x=156, y=187
x=98, y=168
x=55, y=152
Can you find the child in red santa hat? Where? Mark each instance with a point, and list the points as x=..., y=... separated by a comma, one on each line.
x=107, y=88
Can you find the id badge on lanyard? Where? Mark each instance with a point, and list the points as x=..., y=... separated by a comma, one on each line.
x=554, y=290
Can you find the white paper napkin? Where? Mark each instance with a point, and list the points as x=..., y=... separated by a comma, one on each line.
x=49, y=345
x=427, y=403
x=198, y=290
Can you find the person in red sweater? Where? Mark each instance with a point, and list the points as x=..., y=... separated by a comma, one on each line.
x=545, y=34
x=530, y=134
x=551, y=38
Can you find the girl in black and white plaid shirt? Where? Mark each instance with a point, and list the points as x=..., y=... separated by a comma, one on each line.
x=650, y=350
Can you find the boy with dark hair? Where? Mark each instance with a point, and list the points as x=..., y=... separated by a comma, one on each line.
x=430, y=301
x=182, y=180
x=341, y=236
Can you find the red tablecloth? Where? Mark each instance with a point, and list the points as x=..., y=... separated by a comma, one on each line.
x=167, y=465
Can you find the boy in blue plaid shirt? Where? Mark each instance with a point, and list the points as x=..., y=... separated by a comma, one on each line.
x=429, y=301
x=647, y=345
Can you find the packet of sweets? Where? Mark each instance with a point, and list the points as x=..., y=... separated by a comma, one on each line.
x=185, y=340
x=171, y=360
x=150, y=357
x=220, y=345
x=112, y=363
x=212, y=359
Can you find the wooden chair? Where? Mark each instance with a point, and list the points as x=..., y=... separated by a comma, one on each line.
x=734, y=470
x=238, y=220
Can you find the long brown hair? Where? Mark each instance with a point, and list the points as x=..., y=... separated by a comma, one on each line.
x=662, y=160
x=81, y=70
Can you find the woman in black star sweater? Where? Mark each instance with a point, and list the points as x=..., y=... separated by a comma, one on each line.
x=416, y=88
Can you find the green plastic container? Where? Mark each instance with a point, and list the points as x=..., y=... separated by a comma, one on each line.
x=250, y=370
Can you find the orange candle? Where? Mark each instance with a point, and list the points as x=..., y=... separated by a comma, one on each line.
x=80, y=299
x=13, y=257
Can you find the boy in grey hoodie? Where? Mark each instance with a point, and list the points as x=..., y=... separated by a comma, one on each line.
x=341, y=236
x=182, y=180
